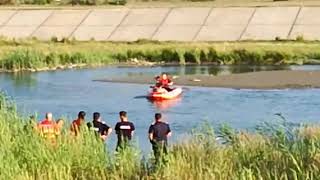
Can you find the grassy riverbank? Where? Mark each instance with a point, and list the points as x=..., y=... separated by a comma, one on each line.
x=271, y=152
x=35, y=55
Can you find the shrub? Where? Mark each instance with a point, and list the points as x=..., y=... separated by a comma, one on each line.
x=118, y=2
x=169, y=55
x=242, y=56
x=145, y=41
x=41, y=2
x=120, y=57
x=77, y=58
x=213, y=55
x=54, y=39
x=273, y=57
x=191, y=57
x=277, y=38
x=300, y=38
x=52, y=60
x=135, y=54
x=153, y=56
x=83, y=2
x=203, y=57
x=64, y=58
x=227, y=58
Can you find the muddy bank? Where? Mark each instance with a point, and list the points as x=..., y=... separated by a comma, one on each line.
x=254, y=80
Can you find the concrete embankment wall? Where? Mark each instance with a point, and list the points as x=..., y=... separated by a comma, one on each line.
x=180, y=24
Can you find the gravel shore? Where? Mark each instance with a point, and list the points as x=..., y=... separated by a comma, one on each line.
x=254, y=80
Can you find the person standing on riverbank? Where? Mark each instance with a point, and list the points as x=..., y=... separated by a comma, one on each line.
x=76, y=124
x=159, y=132
x=100, y=127
x=47, y=128
x=124, y=130
x=59, y=126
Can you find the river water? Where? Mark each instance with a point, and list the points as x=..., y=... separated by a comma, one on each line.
x=66, y=92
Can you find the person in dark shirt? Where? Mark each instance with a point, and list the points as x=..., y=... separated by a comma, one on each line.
x=100, y=127
x=159, y=132
x=124, y=130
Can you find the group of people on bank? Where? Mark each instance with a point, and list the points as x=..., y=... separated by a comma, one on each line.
x=158, y=132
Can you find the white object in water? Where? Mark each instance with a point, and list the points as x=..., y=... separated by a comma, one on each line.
x=196, y=80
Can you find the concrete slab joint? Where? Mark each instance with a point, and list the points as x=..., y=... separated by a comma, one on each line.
x=182, y=24
x=61, y=24
x=99, y=24
x=307, y=24
x=269, y=23
x=139, y=24
x=225, y=24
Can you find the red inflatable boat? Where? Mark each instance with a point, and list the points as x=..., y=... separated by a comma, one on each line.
x=165, y=95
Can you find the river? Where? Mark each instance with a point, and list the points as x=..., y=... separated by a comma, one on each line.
x=65, y=92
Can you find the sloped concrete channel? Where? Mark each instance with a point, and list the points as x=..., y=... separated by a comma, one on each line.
x=177, y=24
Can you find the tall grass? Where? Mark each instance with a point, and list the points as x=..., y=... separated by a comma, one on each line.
x=275, y=151
x=17, y=55
x=27, y=59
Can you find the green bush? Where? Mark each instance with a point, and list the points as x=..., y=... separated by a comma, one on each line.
x=41, y=2
x=274, y=57
x=54, y=39
x=242, y=56
x=153, y=56
x=203, y=57
x=135, y=54
x=213, y=55
x=52, y=59
x=169, y=55
x=37, y=2
x=84, y=2
x=121, y=57
x=64, y=58
x=117, y=2
x=300, y=38
x=78, y=58
x=191, y=57
x=227, y=58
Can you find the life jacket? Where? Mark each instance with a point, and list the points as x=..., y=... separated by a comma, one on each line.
x=47, y=129
x=165, y=82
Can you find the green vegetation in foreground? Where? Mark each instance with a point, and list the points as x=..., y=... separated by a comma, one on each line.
x=272, y=152
x=35, y=55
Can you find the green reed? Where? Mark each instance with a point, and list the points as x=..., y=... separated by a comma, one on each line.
x=273, y=151
x=18, y=55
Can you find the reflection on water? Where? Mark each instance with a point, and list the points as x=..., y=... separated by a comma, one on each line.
x=213, y=69
x=245, y=69
x=166, y=104
x=24, y=79
x=21, y=81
